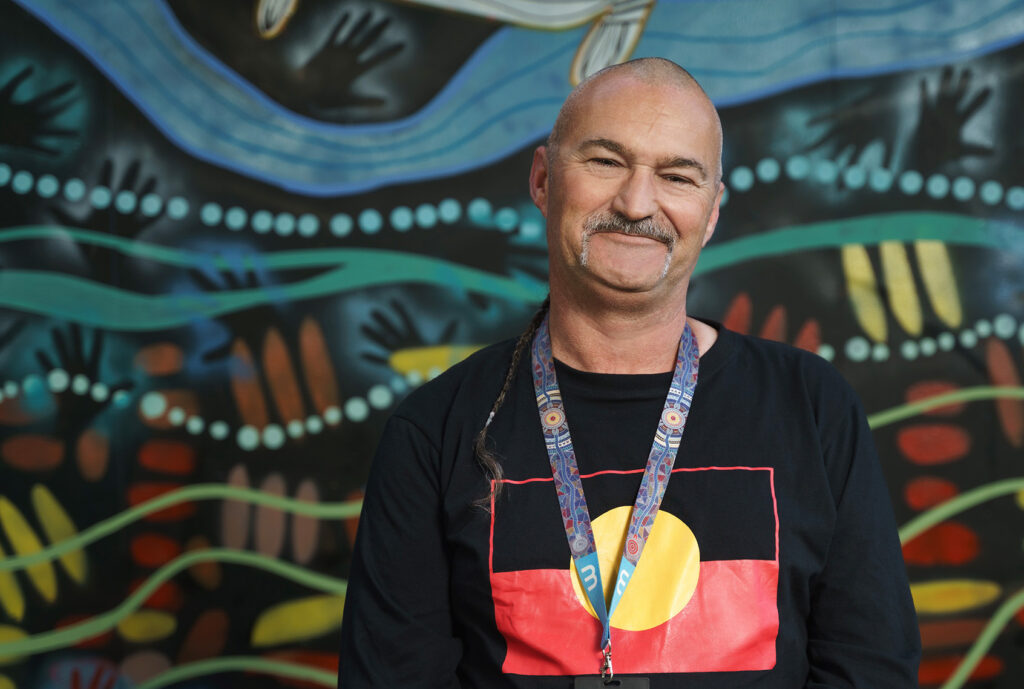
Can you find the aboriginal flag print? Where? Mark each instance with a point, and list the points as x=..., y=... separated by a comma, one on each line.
x=702, y=599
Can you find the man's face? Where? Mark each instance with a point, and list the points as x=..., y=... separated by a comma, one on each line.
x=631, y=193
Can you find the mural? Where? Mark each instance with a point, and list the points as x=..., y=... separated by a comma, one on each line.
x=234, y=235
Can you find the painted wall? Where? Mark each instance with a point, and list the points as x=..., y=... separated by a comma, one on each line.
x=233, y=235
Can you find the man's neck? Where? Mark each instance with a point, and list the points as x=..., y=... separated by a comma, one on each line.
x=611, y=340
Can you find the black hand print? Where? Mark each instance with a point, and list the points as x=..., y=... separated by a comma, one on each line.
x=853, y=126
x=30, y=124
x=403, y=335
x=939, y=136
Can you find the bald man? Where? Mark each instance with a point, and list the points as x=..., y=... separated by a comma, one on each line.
x=629, y=496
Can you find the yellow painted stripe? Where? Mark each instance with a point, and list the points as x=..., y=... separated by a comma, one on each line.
x=939, y=281
x=863, y=291
x=25, y=542
x=10, y=593
x=298, y=620
x=899, y=283
x=57, y=526
x=10, y=633
x=7, y=683
x=425, y=360
x=146, y=625
x=953, y=595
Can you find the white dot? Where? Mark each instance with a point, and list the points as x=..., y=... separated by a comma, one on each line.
x=946, y=341
x=880, y=352
x=11, y=388
x=909, y=349
x=248, y=437
x=195, y=425
x=273, y=436
x=928, y=346
x=968, y=339
x=380, y=397
x=58, y=380
x=983, y=328
x=398, y=384
x=100, y=392
x=295, y=428
x=153, y=404
x=434, y=372
x=356, y=409
x=857, y=349
x=332, y=415
x=176, y=416
x=314, y=424
x=827, y=352
x=414, y=377
x=80, y=384
x=1004, y=325
x=219, y=430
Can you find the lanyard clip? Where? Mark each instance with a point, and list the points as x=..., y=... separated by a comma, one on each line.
x=606, y=666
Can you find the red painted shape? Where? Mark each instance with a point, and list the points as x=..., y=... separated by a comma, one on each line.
x=936, y=443
x=1003, y=372
x=98, y=641
x=937, y=670
x=809, y=337
x=207, y=637
x=168, y=457
x=141, y=492
x=948, y=543
x=168, y=595
x=352, y=523
x=928, y=491
x=153, y=550
x=32, y=452
x=318, y=659
x=160, y=359
x=737, y=316
x=949, y=633
x=12, y=413
x=933, y=388
x=774, y=327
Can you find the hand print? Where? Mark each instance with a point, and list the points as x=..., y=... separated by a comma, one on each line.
x=30, y=124
x=939, y=137
x=853, y=126
x=403, y=335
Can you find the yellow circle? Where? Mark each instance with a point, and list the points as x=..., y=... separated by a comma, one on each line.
x=664, y=580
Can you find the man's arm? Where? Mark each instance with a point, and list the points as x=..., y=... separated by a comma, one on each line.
x=396, y=630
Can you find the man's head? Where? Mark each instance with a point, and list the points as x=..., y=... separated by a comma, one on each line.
x=630, y=181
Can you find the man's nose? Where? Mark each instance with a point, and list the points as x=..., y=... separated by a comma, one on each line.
x=637, y=197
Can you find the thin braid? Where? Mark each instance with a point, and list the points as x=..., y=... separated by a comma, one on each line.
x=489, y=459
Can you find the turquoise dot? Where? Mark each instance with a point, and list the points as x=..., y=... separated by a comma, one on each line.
x=798, y=167
x=195, y=425
x=219, y=430
x=880, y=352
x=295, y=428
x=47, y=186
x=122, y=398
x=827, y=352
x=370, y=221
x=963, y=188
x=211, y=214
x=248, y=438
x=826, y=171
x=398, y=384
x=125, y=201
x=911, y=182
x=284, y=224
x=5, y=174
x=314, y=424
x=968, y=339
x=22, y=182
x=341, y=225
x=741, y=179
x=1015, y=198
x=928, y=346
x=426, y=215
x=332, y=415
x=449, y=211
x=530, y=229
x=938, y=186
x=32, y=385
x=880, y=179
x=74, y=189
x=380, y=397
x=855, y=177
x=983, y=328
x=273, y=436
x=151, y=205
x=401, y=218
x=176, y=416
x=356, y=409
x=236, y=218
x=479, y=211
x=506, y=219
x=1004, y=325
x=99, y=197
x=991, y=192
x=177, y=208
x=909, y=350
x=153, y=405
x=309, y=224
x=58, y=380
x=768, y=170
x=946, y=341
x=99, y=392
x=857, y=349
x=262, y=221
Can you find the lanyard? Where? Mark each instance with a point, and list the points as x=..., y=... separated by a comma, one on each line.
x=569, y=487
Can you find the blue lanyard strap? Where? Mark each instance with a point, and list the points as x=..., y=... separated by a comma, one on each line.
x=569, y=487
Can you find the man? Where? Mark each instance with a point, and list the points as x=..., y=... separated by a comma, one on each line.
x=750, y=544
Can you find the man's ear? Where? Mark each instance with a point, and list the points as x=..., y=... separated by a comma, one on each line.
x=713, y=219
x=539, y=180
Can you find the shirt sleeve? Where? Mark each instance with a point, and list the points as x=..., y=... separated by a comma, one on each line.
x=397, y=628
x=862, y=630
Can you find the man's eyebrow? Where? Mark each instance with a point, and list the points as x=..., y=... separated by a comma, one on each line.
x=616, y=147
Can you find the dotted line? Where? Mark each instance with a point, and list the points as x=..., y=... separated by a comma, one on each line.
x=859, y=349
x=910, y=182
x=58, y=381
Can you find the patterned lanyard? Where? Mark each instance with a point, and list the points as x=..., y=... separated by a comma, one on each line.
x=569, y=487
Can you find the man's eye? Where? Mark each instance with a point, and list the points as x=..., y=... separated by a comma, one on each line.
x=606, y=162
x=677, y=179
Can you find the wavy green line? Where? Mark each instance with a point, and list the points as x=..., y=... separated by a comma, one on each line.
x=960, y=503
x=99, y=305
x=241, y=663
x=86, y=629
x=199, y=491
x=972, y=394
x=984, y=641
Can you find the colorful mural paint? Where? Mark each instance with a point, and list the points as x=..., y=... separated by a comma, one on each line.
x=234, y=235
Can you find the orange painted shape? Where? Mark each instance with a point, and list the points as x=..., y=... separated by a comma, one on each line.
x=160, y=359
x=316, y=365
x=305, y=530
x=928, y=444
x=1003, y=372
x=168, y=457
x=168, y=596
x=153, y=550
x=809, y=337
x=234, y=516
x=206, y=638
x=948, y=543
x=737, y=316
x=93, y=454
x=774, y=327
x=937, y=670
x=13, y=414
x=351, y=524
x=98, y=641
x=187, y=400
x=318, y=659
x=270, y=521
x=933, y=388
x=32, y=452
x=245, y=386
x=277, y=367
x=206, y=574
x=951, y=633
x=141, y=492
x=927, y=491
